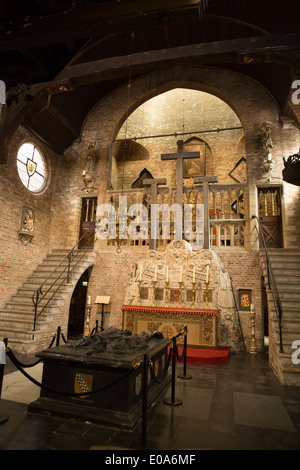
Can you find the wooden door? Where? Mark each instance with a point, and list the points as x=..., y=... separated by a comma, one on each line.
x=78, y=306
x=88, y=221
x=269, y=205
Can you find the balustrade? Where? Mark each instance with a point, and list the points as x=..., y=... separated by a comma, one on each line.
x=226, y=210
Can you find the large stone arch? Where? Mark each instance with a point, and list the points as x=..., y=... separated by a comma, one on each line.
x=251, y=102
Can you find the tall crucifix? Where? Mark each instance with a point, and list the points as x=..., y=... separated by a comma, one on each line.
x=154, y=183
x=179, y=157
x=205, y=180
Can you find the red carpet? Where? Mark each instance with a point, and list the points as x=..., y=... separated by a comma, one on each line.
x=206, y=356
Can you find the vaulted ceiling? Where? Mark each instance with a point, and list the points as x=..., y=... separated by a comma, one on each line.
x=59, y=57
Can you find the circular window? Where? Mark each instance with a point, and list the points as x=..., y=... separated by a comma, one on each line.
x=31, y=167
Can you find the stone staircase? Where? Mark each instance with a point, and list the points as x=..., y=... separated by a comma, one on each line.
x=17, y=317
x=286, y=269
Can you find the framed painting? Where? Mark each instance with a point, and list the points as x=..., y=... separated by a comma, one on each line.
x=245, y=300
x=239, y=172
x=194, y=166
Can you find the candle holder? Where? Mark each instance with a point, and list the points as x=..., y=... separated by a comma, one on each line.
x=87, y=320
x=180, y=293
x=194, y=294
x=167, y=294
x=206, y=294
x=253, y=346
x=139, y=292
x=154, y=292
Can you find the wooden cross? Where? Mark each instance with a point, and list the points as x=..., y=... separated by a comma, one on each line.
x=205, y=180
x=154, y=183
x=179, y=157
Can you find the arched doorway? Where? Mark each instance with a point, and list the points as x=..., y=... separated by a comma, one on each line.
x=78, y=306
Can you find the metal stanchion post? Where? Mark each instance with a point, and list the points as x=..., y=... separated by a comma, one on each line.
x=145, y=399
x=173, y=401
x=3, y=345
x=185, y=376
x=58, y=335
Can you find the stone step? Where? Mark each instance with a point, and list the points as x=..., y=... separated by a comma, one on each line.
x=288, y=287
x=286, y=273
x=29, y=289
x=290, y=296
x=290, y=309
x=18, y=333
x=286, y=266
x=11, y=319
x=282, y=279
x=284, y=251
x=290, y=336
x=46, y=271
x=29, y=307
x=38, y=280
x=18, y=314
x=27, y=299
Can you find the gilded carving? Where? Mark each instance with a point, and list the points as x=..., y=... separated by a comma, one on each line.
x=181, y=279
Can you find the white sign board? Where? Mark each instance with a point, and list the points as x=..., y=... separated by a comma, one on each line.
x=102, y=299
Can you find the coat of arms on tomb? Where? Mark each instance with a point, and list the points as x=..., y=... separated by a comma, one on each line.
x=83, y=383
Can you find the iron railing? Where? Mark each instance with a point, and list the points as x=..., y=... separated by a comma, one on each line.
x=73, y=258
x=271, y=279
x=237, y=313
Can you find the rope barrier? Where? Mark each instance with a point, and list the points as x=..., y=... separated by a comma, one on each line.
x=57, y=392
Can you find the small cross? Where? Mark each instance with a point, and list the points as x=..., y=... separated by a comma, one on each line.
x=154, y=183
x=205, y=180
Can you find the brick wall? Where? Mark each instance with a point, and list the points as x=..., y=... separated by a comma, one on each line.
x=16, y=259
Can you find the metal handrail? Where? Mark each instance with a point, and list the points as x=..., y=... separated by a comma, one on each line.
x=237, y=313
x=64, y=276
x=271, y=279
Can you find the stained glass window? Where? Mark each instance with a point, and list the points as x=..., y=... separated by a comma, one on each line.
x=31, y=167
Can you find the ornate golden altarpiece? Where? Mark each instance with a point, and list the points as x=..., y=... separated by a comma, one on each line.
x=181, y=287
x=201, y=323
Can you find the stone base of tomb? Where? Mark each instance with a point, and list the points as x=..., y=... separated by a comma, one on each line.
x=113, y=378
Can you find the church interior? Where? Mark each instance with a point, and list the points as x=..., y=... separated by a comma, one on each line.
x=150, y=204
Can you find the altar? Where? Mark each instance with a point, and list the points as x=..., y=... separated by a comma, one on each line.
x=182, y=287
x=201, y=323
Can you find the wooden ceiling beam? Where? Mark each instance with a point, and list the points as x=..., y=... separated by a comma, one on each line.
x=89, y=19
x=94, y=71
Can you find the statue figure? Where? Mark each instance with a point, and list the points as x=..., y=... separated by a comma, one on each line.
x=266, y=140
x=28, y=222
x=91, y=160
